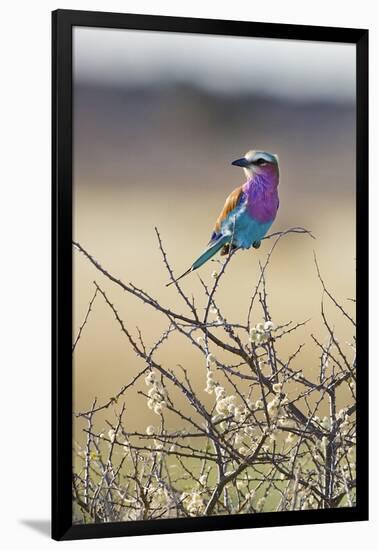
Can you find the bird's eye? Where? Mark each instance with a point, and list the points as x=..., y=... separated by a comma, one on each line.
x=260, y=162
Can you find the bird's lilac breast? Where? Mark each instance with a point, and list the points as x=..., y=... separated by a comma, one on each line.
x=262, y=200
x=263, y=211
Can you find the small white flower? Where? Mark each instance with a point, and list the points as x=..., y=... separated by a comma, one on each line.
x=260, y=327
x=210, y=383
x=269, y=325
x=277, y=387
x=260, y=338
x=231, y=408
x=243, y=451
x=150, y=430
x=210, y=359
x=220, y=406
x=214, y=274
x=259, y=404
x=195, y=505
x=238, y=414
x=158, y=408
x=223, y=404
x=326, y=422
x=341, y=414
x=203, y=479
x=199, y=340
x=220, y=392
x=150, y=378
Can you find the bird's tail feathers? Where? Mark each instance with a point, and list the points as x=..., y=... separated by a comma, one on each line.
x=181, y=276
x=205, y=256
x=210, y=251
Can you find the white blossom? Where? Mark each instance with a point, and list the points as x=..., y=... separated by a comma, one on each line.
x=203, y=479
x=273, y=406
x=220, y=392
x=238, y=415
x=269, y=325
x=195, y=505
x=150, y=378
x=210, y=359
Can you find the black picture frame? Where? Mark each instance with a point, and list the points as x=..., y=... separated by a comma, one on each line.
x=62, y=23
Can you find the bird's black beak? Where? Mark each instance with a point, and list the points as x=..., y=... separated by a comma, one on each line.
x=243, y=162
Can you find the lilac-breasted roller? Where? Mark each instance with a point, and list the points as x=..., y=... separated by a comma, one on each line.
x=249, y=210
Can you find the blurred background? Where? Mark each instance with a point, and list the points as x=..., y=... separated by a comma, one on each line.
x=158, y=118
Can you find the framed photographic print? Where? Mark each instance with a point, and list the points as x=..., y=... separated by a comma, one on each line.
x=210, y=222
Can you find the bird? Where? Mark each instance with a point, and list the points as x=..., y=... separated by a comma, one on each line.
x=249, y=210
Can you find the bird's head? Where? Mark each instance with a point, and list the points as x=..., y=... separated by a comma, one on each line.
x=258, y=162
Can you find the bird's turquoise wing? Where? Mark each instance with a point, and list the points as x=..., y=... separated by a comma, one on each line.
x=233, y=201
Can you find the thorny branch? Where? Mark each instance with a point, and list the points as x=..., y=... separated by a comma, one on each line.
x=263, y=434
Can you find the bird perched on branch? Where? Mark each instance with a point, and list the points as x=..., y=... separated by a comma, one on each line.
x=249, y=210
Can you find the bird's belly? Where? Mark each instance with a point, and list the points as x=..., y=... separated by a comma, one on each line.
x=247, y=230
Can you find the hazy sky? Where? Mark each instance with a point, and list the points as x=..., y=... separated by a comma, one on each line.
x=312, y=70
